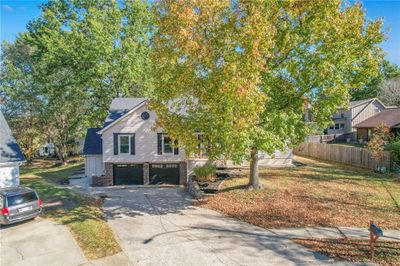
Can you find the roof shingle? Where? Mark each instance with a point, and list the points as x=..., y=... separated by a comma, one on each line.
x=9, y=149
x=93, y=142
x=119, y=107
x=390, y=117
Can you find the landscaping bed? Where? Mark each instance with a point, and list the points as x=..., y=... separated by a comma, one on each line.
x=83, y=216
x=386, y=252
x=213, y=185
x=314, y=194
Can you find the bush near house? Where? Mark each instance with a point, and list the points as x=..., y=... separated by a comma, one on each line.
x=206, y=172
x=394, y=149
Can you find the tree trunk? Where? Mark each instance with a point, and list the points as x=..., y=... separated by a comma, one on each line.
x=61, y=154
x=254, y=180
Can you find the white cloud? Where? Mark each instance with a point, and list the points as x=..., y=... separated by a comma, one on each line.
x=7, y=8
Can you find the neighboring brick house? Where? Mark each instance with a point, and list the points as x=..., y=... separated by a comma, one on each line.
x=11, y=156
x=346, y=118
x=127, y=150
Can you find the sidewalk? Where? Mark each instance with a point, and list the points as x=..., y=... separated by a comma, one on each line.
x=339, y=232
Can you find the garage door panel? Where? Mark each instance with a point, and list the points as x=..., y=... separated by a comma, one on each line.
x=128, y=174
x=164, y=174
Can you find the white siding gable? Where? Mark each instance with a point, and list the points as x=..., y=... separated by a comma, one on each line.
x=145, y=140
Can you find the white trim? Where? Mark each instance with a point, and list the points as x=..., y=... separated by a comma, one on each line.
x=119, y=143
x=17, y=163
x=122, y=117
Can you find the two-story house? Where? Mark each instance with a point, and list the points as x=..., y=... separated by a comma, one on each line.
x=128, y=150
x=345, y=119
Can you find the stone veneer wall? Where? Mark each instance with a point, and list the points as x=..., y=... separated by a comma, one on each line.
x=107, y=178
x=101, y=181
x=146, y=173
x=182, y=173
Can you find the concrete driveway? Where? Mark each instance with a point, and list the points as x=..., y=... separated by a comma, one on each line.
x=159, y=226
x=38, y=242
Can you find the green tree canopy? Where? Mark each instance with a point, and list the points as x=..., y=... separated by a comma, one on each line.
x=20, y=96
x=242, y=72
x=387, y=71
x=82, y=54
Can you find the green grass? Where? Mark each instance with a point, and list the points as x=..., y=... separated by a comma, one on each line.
x=82, y=216
x=315, y=194
x=350, y=144
x=48, y=170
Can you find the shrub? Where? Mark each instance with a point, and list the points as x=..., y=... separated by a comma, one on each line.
x=380, y=138
x=394, y=149
x=207, y=172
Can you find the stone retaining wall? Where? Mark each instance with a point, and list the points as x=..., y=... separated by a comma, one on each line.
x=193, y=188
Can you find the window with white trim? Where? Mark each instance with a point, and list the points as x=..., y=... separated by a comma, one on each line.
x=124, y=144
x=167, y=144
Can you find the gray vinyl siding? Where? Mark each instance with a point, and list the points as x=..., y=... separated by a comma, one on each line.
x=364, y=111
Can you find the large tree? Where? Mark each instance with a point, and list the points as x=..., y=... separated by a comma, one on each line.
x=85, y=53
x=20, y=96
x=242, y=72
x=371, y=89
x=389, y=91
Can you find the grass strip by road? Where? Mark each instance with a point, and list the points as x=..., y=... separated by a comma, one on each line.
x=386, y=252
x=83, y=217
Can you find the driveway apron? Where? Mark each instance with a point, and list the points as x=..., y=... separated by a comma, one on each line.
x=160, y=226
x=39, y=242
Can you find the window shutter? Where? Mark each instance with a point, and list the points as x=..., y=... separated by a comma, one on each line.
x=133, y=144
x=115, y=143
x=176, y=149
x=159, y=143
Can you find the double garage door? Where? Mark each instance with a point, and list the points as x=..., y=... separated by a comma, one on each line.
x=132, y=174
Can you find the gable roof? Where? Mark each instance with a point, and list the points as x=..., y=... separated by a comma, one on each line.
x=9, y=149
x=390, y=117
x=119, y=107
x=93, y=142
x=353, y=104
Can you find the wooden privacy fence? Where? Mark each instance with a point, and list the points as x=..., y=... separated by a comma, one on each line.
x=354, y=156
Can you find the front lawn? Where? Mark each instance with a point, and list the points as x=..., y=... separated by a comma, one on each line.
x=350, y=144
x=313, y=194
x=84, y=218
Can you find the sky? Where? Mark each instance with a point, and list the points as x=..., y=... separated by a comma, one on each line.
x=16, y=14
